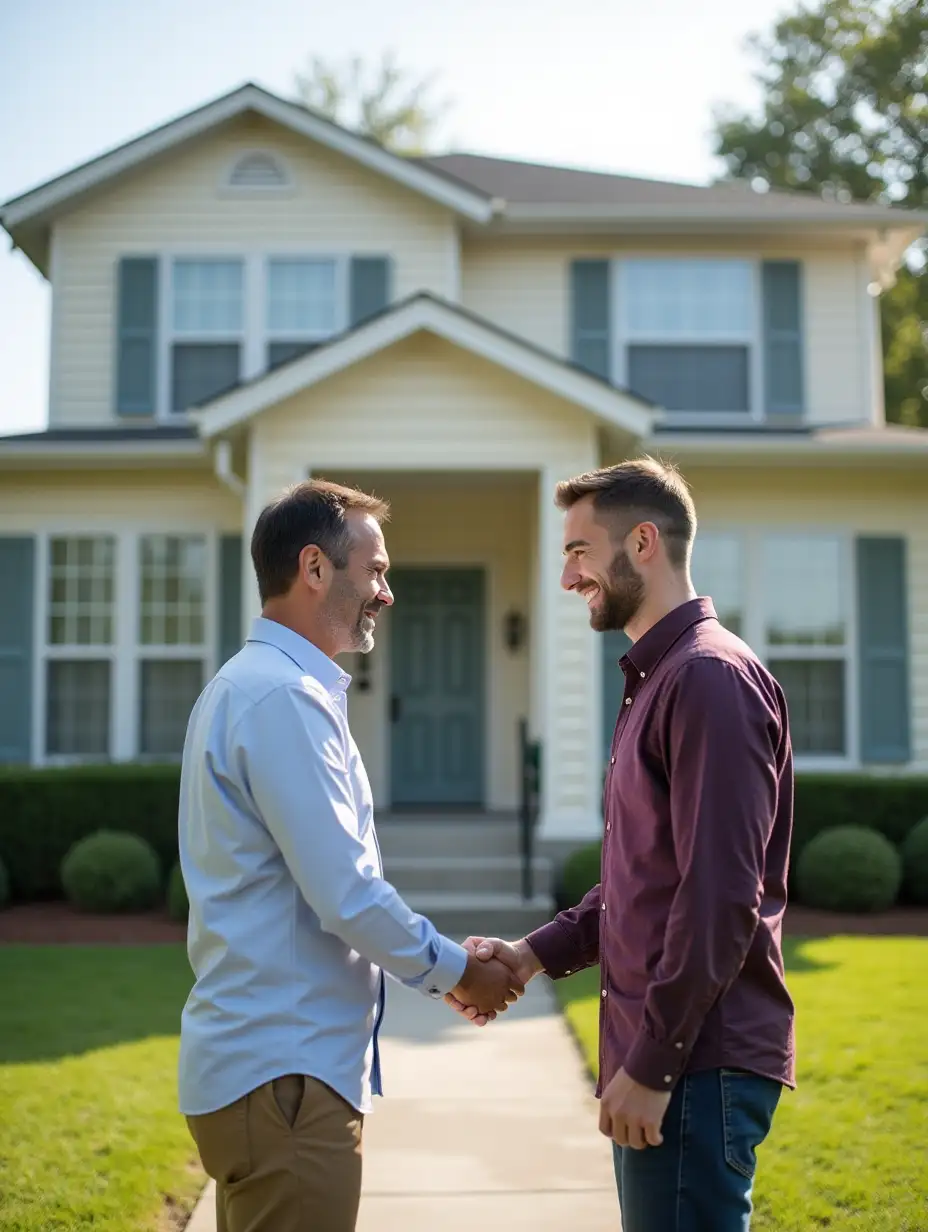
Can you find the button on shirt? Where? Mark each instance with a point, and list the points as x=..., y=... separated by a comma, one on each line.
x=686, y=925
x=291, y=921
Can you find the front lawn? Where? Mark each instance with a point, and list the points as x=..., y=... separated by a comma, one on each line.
x=848, y=1149
x=90, y=1135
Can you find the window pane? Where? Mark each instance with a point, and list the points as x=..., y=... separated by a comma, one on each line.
x=201, y=371
x=207, y=297
x=282, y=352
x=691, y=378
x=717, y=573
x=805, y=591
x=80, y=591
x=815, y=699
x=670, y=298
x=77, y=717
x=172, y=590
x=167, y=691
x=301, y=297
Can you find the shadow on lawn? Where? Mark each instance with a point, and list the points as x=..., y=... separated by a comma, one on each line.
x=797, y=957
x=63, y=1001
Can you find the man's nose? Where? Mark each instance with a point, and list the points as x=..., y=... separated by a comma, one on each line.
x=570, y=575
x=385, y=595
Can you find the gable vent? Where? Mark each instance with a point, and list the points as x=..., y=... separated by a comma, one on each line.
x=258, y=170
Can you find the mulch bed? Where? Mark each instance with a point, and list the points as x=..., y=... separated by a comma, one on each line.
x=58, y=924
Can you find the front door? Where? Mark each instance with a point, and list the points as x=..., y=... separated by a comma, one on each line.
x=436, y=704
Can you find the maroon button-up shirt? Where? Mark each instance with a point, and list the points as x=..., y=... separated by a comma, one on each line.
x=698, y=806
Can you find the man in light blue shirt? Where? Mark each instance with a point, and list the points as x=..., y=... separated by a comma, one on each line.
x=292, y=925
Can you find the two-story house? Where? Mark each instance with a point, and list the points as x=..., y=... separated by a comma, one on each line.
x=250, y=294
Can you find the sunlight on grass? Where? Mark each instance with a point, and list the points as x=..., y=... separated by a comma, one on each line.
x=848, y=1149
x=90, y=1135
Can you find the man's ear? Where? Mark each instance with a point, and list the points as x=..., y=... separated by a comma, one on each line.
x=645, y=540
x=313, y=567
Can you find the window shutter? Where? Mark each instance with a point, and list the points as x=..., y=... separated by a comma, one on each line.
x=590, y=327
x=17, y=579
x=615, y=644
x=230, y=597
x=783, y=362
x=369, y=290
x=136, y=342
x=882, y=596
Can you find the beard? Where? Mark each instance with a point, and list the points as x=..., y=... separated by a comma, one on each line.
x=348, y=612
x=620, y=597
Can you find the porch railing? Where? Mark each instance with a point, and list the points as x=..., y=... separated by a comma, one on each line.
x=529, y=802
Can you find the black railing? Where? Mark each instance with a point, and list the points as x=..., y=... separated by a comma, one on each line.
x=530, y=765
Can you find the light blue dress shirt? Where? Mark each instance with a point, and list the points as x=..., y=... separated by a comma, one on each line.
x=291, y=921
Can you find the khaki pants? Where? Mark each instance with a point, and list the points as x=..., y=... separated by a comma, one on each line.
x=285, y=1158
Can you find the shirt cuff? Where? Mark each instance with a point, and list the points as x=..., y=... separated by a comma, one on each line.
x=654, y=1065
x=447, y=971
x=554, y=948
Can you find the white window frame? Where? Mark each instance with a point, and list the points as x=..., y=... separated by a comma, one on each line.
x=754, y=622
x=254, y=336
x=752, y=337
x=312, y=335
x=126, y=651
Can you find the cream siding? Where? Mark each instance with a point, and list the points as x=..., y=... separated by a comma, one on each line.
x=333, y=206
x=523, y=285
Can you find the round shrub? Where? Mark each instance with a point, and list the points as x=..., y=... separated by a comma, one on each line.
x=849, y=868
x=915, y=863
x=4, y=885
x=110, y=872
x=178, y=906
x=581, y=871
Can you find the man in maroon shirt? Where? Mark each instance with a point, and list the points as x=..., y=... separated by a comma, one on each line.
x=696, y=1024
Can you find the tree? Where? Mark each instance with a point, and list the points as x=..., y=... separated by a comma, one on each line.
x=386, y=103
x=845, y=115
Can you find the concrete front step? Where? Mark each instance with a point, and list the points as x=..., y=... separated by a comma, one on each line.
x=455, y=874
x=449, y=836
x=487, y=915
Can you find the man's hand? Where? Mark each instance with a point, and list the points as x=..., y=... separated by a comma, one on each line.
x=630, y=1114
x=488, y=985
x=518, y=956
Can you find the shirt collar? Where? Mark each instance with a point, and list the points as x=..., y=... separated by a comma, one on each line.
x=648, y=651
x=309, y=658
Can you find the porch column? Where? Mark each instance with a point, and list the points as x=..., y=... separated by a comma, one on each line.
x=263, y=484
x=567, y=685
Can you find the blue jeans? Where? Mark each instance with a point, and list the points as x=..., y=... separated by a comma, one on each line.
x=700, y=1178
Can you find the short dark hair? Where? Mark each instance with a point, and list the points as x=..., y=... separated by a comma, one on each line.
x=312, y=512
x=651, y=490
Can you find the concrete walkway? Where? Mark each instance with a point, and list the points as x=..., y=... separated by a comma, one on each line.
x=480, y=1128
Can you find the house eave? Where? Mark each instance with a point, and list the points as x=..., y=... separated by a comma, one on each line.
x=95, y=454
x=774, y=449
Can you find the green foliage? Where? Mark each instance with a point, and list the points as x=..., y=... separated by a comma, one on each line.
x=4, y=885
x=851, y=868
x=178, y=906
x=845, y=115
x=890, y=805
x=43, y=813
x=915, y=864
x=111, y=872
x=580, y=872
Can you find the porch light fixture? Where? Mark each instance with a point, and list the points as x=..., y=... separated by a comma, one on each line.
x=514, y=627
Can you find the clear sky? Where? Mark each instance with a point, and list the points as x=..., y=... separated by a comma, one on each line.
x=613, y=84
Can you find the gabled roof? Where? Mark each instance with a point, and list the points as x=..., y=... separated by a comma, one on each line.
x=427, y=312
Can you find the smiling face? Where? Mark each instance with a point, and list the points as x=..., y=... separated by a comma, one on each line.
x=358, y=592
x=598, y=567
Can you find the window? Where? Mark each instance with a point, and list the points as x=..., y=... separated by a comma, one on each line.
x=718, y=573
x=171, y=638
x=301, y=308
x=207, y=329
x=688, y=332
x=806, y=636
x=79, y=635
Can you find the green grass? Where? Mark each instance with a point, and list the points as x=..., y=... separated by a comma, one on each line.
x=849, y=1149
x=90, y=1136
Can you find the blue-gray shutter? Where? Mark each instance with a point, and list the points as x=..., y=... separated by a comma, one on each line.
x=882, y=597
x=615, y=644
x=590, y=329
x=136, y=336
x=17, y=581
x=230, y=597
x=783, y=361
x=369, y=288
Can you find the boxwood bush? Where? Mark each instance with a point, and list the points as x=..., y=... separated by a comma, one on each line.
x=850, y=868
x=579, y=873
x=177, y=904
x=915, y=864
x=111, y=872
x=4, y=885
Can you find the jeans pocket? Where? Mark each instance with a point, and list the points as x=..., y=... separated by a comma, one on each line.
x=288, y=1092
x=748, y=1104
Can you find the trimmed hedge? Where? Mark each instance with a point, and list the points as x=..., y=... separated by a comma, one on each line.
x=43, y=813
x=111, y=872
x=4, y=885
x=581, y=871
x=891, y=805
x=915, y=864
x=177, y=904
x=850, y=868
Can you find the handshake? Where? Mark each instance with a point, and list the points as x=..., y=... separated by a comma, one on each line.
x=495, y=977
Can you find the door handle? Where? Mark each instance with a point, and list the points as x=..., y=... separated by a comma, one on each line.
x=395, y=709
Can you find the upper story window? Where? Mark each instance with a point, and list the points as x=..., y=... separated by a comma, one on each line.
x=208, y=323
x=302, y=306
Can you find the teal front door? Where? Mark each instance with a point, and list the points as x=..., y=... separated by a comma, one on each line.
x=436, y=703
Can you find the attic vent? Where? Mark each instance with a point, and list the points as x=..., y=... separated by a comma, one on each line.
x=258, y=170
